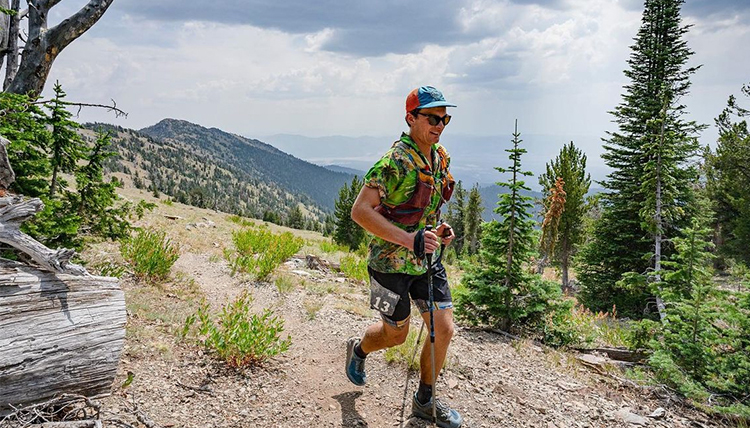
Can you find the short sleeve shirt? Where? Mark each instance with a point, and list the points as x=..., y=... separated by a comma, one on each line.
x=395, y=177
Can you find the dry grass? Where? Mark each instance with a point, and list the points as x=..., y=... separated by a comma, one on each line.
x=312, y=307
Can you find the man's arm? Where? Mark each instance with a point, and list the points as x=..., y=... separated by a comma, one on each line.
x=363, y=212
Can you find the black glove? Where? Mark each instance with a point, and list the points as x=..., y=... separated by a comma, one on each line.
x=419, y=244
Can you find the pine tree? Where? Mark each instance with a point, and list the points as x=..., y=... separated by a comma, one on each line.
x=347, y=231
x=455, y=216
x=554, y=206
x=570, y=165
x=690, y=332
x=649, y=155
x=499, y=290
x=294, y=218
x=22, y=122
x=96, y=200
x=728, y=177
x=473, y=221
x=66, y=145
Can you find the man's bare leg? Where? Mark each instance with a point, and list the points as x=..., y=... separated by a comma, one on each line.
x=382, y=335
x=443, y=334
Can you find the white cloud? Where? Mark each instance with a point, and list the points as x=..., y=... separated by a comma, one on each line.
x=559, y=71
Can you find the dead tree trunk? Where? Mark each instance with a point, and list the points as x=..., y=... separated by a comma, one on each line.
x=59, y=333
x=44, y=44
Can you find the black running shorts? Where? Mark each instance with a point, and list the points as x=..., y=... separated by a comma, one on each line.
x=404, y=286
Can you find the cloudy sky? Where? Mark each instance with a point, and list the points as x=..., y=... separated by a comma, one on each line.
x=317, y=68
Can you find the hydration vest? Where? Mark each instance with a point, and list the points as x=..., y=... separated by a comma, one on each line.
x=411, y=212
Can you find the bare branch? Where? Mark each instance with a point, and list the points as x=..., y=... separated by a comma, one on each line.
x=70, y=29
x=113, y=108
x=48, y=4
x=44, y=45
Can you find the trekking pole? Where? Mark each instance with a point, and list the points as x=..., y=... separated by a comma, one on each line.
x=431, y=301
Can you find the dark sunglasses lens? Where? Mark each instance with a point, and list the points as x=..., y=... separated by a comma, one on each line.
x=434, y=119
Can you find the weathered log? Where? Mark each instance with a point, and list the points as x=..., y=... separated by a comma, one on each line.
x=619, y=354
x=59, y=333
x=14, y=211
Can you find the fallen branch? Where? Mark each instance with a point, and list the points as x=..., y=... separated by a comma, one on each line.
x=14, y=211
x=72, y=424
x=203, y=389
x=58, y=412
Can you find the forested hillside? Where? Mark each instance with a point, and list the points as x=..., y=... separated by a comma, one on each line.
x=256, y=158
x=210, y=168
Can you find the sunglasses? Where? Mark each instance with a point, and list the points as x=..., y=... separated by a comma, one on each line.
x=434, y=119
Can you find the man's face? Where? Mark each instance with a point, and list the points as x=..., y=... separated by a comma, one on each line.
x=421, y=130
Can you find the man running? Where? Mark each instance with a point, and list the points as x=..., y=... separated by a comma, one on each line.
x=403, y=193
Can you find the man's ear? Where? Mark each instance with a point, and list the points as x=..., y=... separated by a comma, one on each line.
x=410, y=118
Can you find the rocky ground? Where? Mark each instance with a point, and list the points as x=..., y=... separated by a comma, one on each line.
x=492, y=380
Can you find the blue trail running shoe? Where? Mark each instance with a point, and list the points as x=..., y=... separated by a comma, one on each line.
x=446, y=417
x=355, y=366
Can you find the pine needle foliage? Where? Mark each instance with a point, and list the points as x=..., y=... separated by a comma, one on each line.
x=499, y=291
x=554, y=205
x=570, y=166
x=473, y=222
x=455, y=216
x=45, y=143
x=653, y=146
x=347, y=231
x=728, y=177
x=66, y=145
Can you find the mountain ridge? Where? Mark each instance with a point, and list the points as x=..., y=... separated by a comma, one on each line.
x=287, y=171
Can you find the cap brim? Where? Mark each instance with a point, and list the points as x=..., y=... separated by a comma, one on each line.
x=438, y=104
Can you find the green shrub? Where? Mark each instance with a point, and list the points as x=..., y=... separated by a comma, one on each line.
x=260, y=251
x=239, y=338
x=354, y=267
x=332, y=247
x=571, y=324
x=109, y=268
x=363, y=248
x=150, y=253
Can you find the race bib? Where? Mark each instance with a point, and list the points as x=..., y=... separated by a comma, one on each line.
x=382, y=299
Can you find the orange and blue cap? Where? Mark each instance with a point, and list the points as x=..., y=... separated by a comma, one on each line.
x=426, y=97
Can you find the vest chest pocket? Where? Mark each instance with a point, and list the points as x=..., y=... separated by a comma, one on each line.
x=411, y=211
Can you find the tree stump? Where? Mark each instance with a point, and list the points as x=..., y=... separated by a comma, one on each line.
x=59, y=333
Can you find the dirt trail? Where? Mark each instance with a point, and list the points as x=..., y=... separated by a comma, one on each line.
x=493, y=382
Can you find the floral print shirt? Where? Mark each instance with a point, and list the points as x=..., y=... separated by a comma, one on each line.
x=396, y=176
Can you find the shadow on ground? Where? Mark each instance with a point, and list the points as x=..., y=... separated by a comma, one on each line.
x=350, y=417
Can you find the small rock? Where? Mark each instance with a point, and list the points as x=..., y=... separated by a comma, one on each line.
x=658, y=413
x=626, y=416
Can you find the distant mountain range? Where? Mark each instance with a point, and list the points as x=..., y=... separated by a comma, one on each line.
x=208, y=167
x=345, y=170
x=473, y=158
